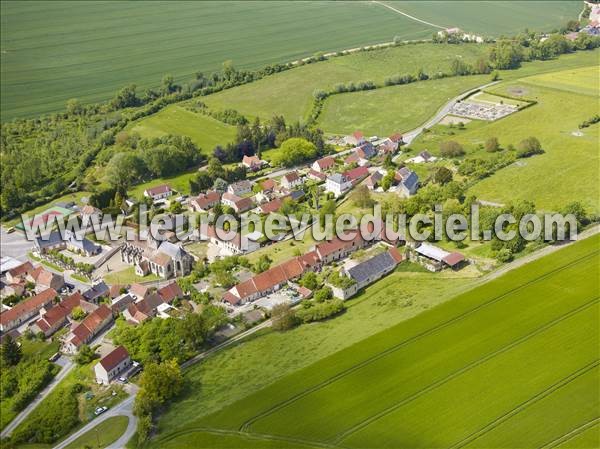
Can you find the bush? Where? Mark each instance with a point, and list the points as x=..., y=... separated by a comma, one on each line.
x=451, y=148
x=529, y=147
x=492, y=145
x=283, y=317
x=321, y=310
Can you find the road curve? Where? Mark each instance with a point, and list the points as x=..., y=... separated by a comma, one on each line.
x=409, y=136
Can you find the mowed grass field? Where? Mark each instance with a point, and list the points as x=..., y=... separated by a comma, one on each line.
x=290, y=93
x=511, y=363
x=570, y=168
x=205, y=131
x=53, y=51
x=382, y=112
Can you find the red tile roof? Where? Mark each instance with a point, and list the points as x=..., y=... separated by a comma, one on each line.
x=357, y=173
x=231, y=298
x=170, y=292
x=291, y=176
x=113, y=358
x=325, y=162
x=20, y=270
x=271, y=206
x=396, y=254
x=90, y=325
x=158, y=190
x=24, y=307
x=453, y=259
x=139, y=290
x=268, y=184
x=396, y=137
x=316, y=174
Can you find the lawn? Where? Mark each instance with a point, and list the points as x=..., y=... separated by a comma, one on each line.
x=180, y=183
x=569, y=169
x=511, y=363
x=290, y=93
x=128, y=276
x=205, y=131
x=582, y=80
x=74, y=197
x=54, y=51
x=382, y=112
x=102, y=435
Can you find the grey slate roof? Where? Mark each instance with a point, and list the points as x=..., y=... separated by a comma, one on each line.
x=338, y=178
x=96, y=291
x=297, y=194
x=411, y=181
x=375, y=265
x=53, y=239
x=83, y=244
x=172, y=250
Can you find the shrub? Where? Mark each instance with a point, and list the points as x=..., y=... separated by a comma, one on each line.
x=492, y=145
x=529, y=147
x=320, y=311
x=451, y=148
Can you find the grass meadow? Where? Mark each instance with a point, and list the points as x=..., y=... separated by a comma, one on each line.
x=382, y=112
x=511, y=363
x=105, y=433
x=206, y=132
x=568, y=170
x=290, y=93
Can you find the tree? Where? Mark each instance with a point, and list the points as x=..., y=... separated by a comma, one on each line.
x=201, y=182
x=283, y=317
x=309, y=280
x=451, y=148
x=529, y=147
x=78, y=313
x=85, y=355
x=362, y=197
x=323, y=294
x=11, y=351
x=442, y=175
x=388, y=180
x=262, y=264
x=123, y=169
x=492, y=145
x=74, y=107
x=175, y=207
x=125, y=98
x=294, y=151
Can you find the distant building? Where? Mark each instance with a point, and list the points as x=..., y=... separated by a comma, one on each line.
x=112, y=365
x=407, y=182
x=26, y=309
x=238, y=204
x=323, y=164
x=338, y=184
x=422, y=157
x=355, y=139
x=205, y=201
x=91, y=326
x=434, y=258
x=162, y=258
x=253, y=163
x=240, y=188
x=159, y=192
x=291, y=180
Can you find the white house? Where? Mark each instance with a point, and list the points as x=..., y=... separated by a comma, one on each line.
x=158, y=192
x=112, y=365
x=240, y=188
x=323, y=164
x=291, y=180
x=338, y=184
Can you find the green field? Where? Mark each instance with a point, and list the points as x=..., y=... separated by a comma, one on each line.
x=105, y=433
x=53, y=51
x=511, y=363
x=583, y=80
x=382, y=112
x=205, y=132
x=290, y=93
x=496, y=18
x=570, y=161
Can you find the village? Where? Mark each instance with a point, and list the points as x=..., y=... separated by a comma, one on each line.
x=39, y=300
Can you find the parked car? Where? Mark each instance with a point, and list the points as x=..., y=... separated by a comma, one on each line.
x=122, y=379
x=54, y=357
x=100, y=410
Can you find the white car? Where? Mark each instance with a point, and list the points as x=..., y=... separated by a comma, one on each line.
x=100, y=410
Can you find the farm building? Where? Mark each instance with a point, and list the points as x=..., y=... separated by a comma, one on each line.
x=434, y=258
x=159, y=192
x=113, y=364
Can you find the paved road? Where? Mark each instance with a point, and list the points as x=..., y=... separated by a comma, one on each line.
x=409, y=136
x=125, y=408
x=66, y=369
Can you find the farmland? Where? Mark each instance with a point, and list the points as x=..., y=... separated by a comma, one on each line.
x=498, y=18
x=290, y=93
x=205, y=132
x=570, y=159
x=49, y=56
x=382, y=112
x=476, y=371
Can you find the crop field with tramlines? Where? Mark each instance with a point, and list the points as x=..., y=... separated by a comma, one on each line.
x=54, y=51
x=511, y=363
